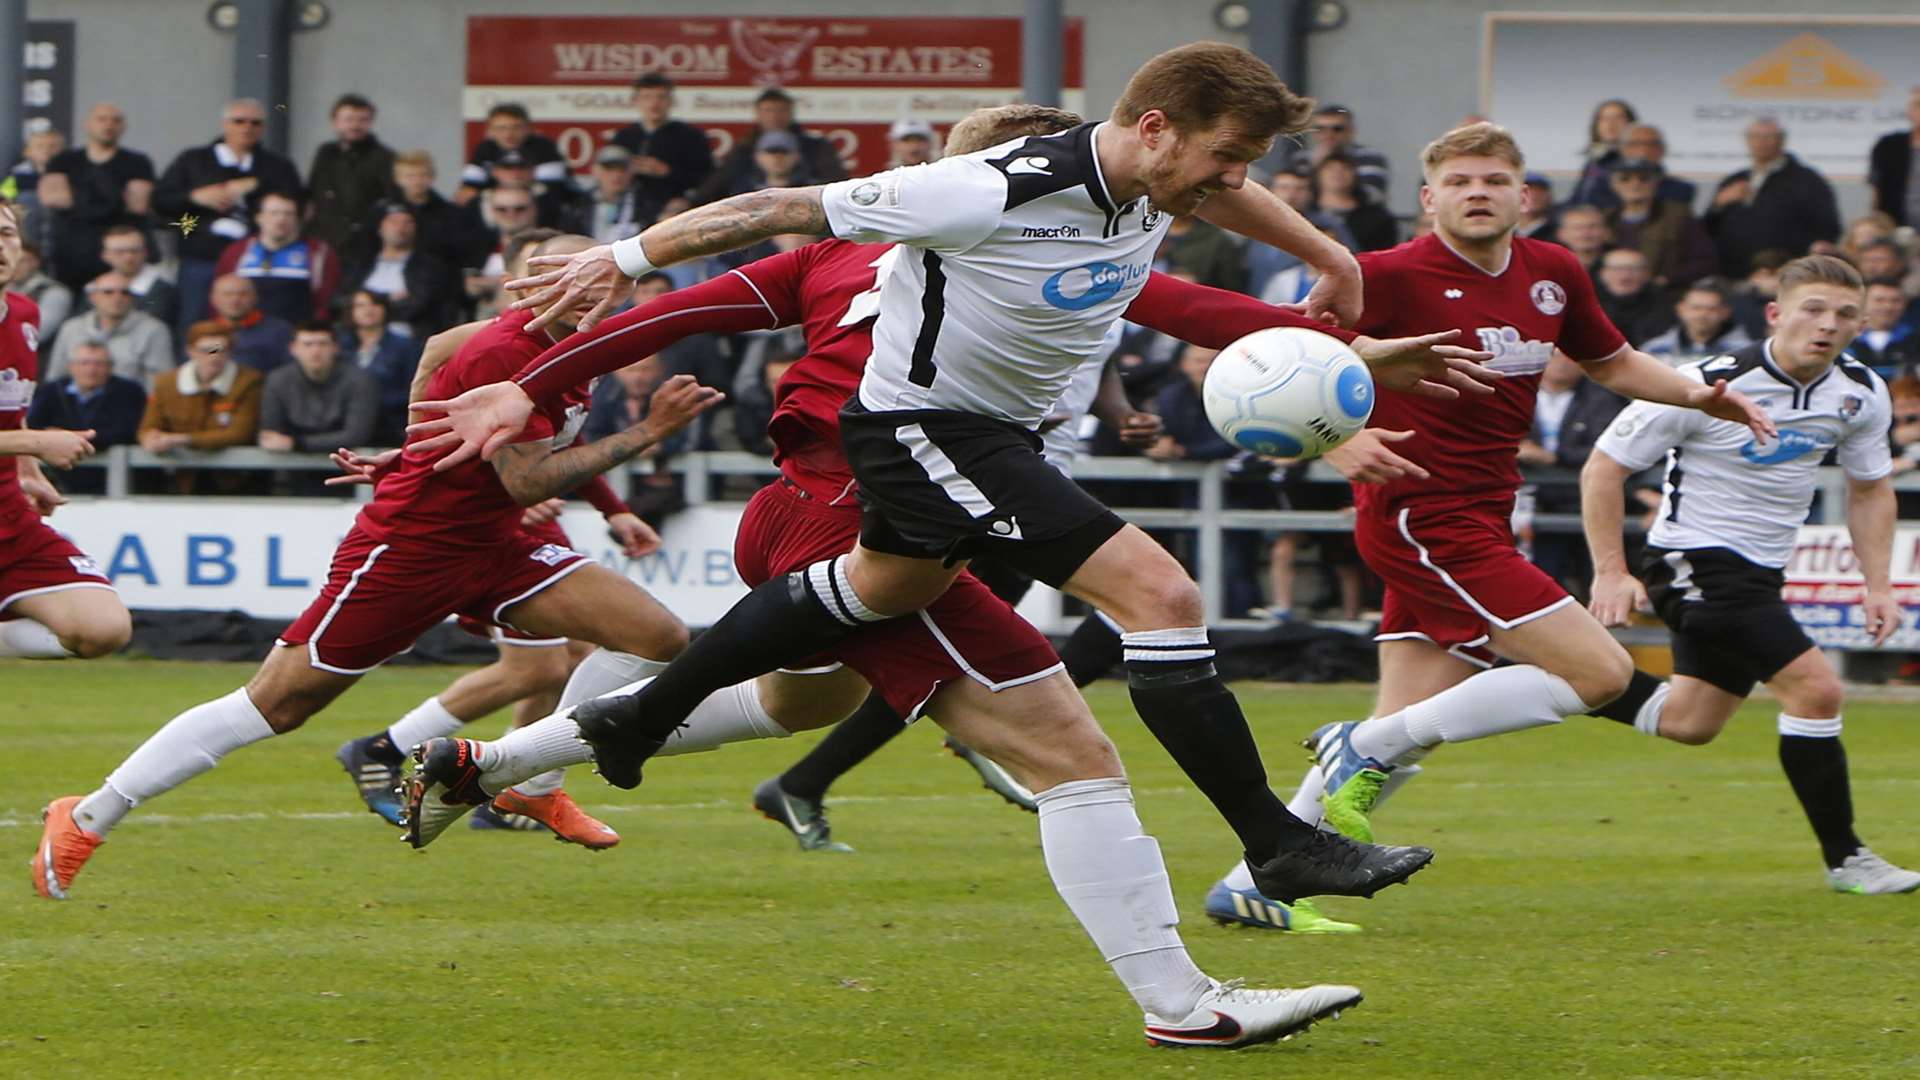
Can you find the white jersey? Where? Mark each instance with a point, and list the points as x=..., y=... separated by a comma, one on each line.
x=1021, y=263
x=1060, y=444
x=1726, y=489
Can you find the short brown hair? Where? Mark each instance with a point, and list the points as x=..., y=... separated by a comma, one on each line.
x=1210, y=82
x=1819, y=270
x=417, y=159
x=207, y=328
x=982, y=128
x=1473, y=140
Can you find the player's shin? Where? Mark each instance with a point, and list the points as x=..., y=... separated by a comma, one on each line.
x=1182, y=700
x=427, y=720
x=1816, y=766
x=1493, y=702
x=1113, y=879
x=603, y=672
x=728, y=715
x=187, y=746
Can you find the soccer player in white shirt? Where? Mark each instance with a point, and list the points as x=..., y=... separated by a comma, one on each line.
x=1021, y=256
x=1726, y=529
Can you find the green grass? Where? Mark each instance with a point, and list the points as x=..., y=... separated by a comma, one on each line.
x=1602, y=906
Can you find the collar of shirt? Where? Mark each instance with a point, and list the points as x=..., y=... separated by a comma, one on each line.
x=84, y=396
x=188, y=381
x=225, y=155
x=1757, y=176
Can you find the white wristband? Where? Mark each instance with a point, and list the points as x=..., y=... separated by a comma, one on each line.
x=632, y=258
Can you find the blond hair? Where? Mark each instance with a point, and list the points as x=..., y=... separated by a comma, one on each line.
x=1209, y=83
x=1819, y=270
x=1473, y=140
x=982, y=128
x=415, y=159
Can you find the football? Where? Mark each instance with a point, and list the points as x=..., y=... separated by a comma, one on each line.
x=1288, y=392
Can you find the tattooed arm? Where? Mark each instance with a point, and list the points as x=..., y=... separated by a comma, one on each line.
x=532, y=472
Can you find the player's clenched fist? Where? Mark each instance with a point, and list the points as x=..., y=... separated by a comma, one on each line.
x=677, y=402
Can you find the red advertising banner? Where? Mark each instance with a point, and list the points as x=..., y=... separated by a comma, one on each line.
x=851, y=77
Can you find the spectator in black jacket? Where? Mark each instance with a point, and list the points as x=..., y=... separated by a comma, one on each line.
x=413, y=284
x=671, y=158
x=510, y=136
x=124, y=250
x=90, y=397
x=1339, y=194
x=1569, y=414
x=613, y=208
x=349, y=175
x=1629, y=297
x=440, y=228
x=1190, y=436
x=1774, y=203
x=90, y=189
x=772, y=112
x=1890, y=172
x=219, y=186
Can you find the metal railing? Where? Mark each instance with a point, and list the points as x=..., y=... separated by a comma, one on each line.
x=1208, y=518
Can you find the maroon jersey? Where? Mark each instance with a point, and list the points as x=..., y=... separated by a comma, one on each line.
x=19, y=366
x=1543, y=298
x=466, y=506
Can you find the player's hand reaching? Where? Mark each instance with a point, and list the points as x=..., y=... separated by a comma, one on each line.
x=590, y=279
x=1616, y=596
x=478, y=422
x=1726, y=403
x=1337, y=296
x=635, y=537
x=1882, y=615
x=1140, y=429
x=42, y=496
x=1365, y=458
x=63, y=449
x=1428, y=365
x=357, y=469
x=676, y=403
x=544, y=512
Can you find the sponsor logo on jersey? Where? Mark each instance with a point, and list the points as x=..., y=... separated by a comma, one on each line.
x=84, y=564
x=1511, y=354
x=1050, y=232
x=1549, y=297
x=32, y=335
x=1791, y=444
x=15, y=392
x=1030, y=166
x=576, y=419
x=1453, y=294
x=1095, y=283
x=552, y=554
x=866, y=194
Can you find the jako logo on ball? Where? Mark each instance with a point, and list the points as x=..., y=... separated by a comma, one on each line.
x=1288, y=392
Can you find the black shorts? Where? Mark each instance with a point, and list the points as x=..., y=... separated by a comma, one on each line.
x=951, y=485
x=1730, y=626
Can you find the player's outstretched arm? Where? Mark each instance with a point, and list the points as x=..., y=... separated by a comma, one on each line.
x=1871, y=511
x=1616, y=592
x=1258, y=214
x=1634, y=374
x=532, y=471
x=60, y=448
x=596, y=278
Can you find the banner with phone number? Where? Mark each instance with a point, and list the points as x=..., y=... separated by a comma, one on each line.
x=851, y=77
x=1824, y=588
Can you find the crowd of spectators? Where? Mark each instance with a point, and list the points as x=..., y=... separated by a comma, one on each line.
x=228, y=299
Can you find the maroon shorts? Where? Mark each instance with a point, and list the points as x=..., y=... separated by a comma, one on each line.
x=40, y=561
x=549, y=533
x=967, y=633
x=1453, y=574
x=379, y=598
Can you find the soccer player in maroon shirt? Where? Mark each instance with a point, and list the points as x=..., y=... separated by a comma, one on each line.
x=1458, y=590
x=54, y=600
x=430, y=544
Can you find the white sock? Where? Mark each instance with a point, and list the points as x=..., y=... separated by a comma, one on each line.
x=1305, y=803
x=605, y=672
x=1807, y=728
x=1493, y=702
x=1240, y=877
x=545, y=784
x=187, y=746
x=552, y=742
x=732, y=714
x=1112, y=877
x=29, y=640
x=1647, y=719
x=427, y=720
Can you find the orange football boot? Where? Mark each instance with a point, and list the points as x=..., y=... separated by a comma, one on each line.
x=560, y=813
x=64, y=848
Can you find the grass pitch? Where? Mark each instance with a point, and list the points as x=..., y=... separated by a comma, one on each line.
x=1602, y=906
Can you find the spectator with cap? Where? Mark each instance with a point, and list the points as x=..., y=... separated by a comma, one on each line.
x=124, y=250
x=777, y=163
x=1339, y=195
x=1887, y=345
x=671, y=158
x=1582, y=230
x=90, y=397
x=141, y=346
x=1279, y=277
x=31, y=280
x=510, y=141
x=207, y=403
x=772, y=113
x=910, y=142
x=91, y=188
x=1890, y=172
x=1643, y=141
x=1675, y=243
x=294, y=275
x=1605, y=128
x=317, y=404
x=350, y=174
x=1333, y=132
x=1536, y=207
x=553, y=204
x=1706, y=325
x=259, y=340
x=390, y=358
x=209, y=194
x=416, y=301
x=613, y=207
x=1628, y=295
x=1776, y=202
x=502, y=213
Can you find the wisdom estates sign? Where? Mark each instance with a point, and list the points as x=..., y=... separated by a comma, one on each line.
x=852, y=77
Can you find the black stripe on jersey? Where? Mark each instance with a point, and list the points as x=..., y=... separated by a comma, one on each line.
x=1803, y=398
x=1857, y=371
x=1674, y=473
x=933, y=309
x=1041, y=165
x=1731, y=366
x=1096, y=184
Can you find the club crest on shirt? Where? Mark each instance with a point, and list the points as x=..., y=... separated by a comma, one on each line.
x=1150, y=219
x=1850, y=406
x=1549, y=297
x=32, y=334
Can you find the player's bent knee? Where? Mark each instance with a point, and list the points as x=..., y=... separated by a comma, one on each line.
x=1603, y=677
x=1162, y=602
x=1688, y=733
x=98, y=638
x=1818, y=698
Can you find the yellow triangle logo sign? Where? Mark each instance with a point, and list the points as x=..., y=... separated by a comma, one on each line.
x=1807, y=66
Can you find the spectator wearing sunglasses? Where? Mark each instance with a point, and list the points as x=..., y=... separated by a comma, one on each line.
x=1332, y=133
x=140, y=346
